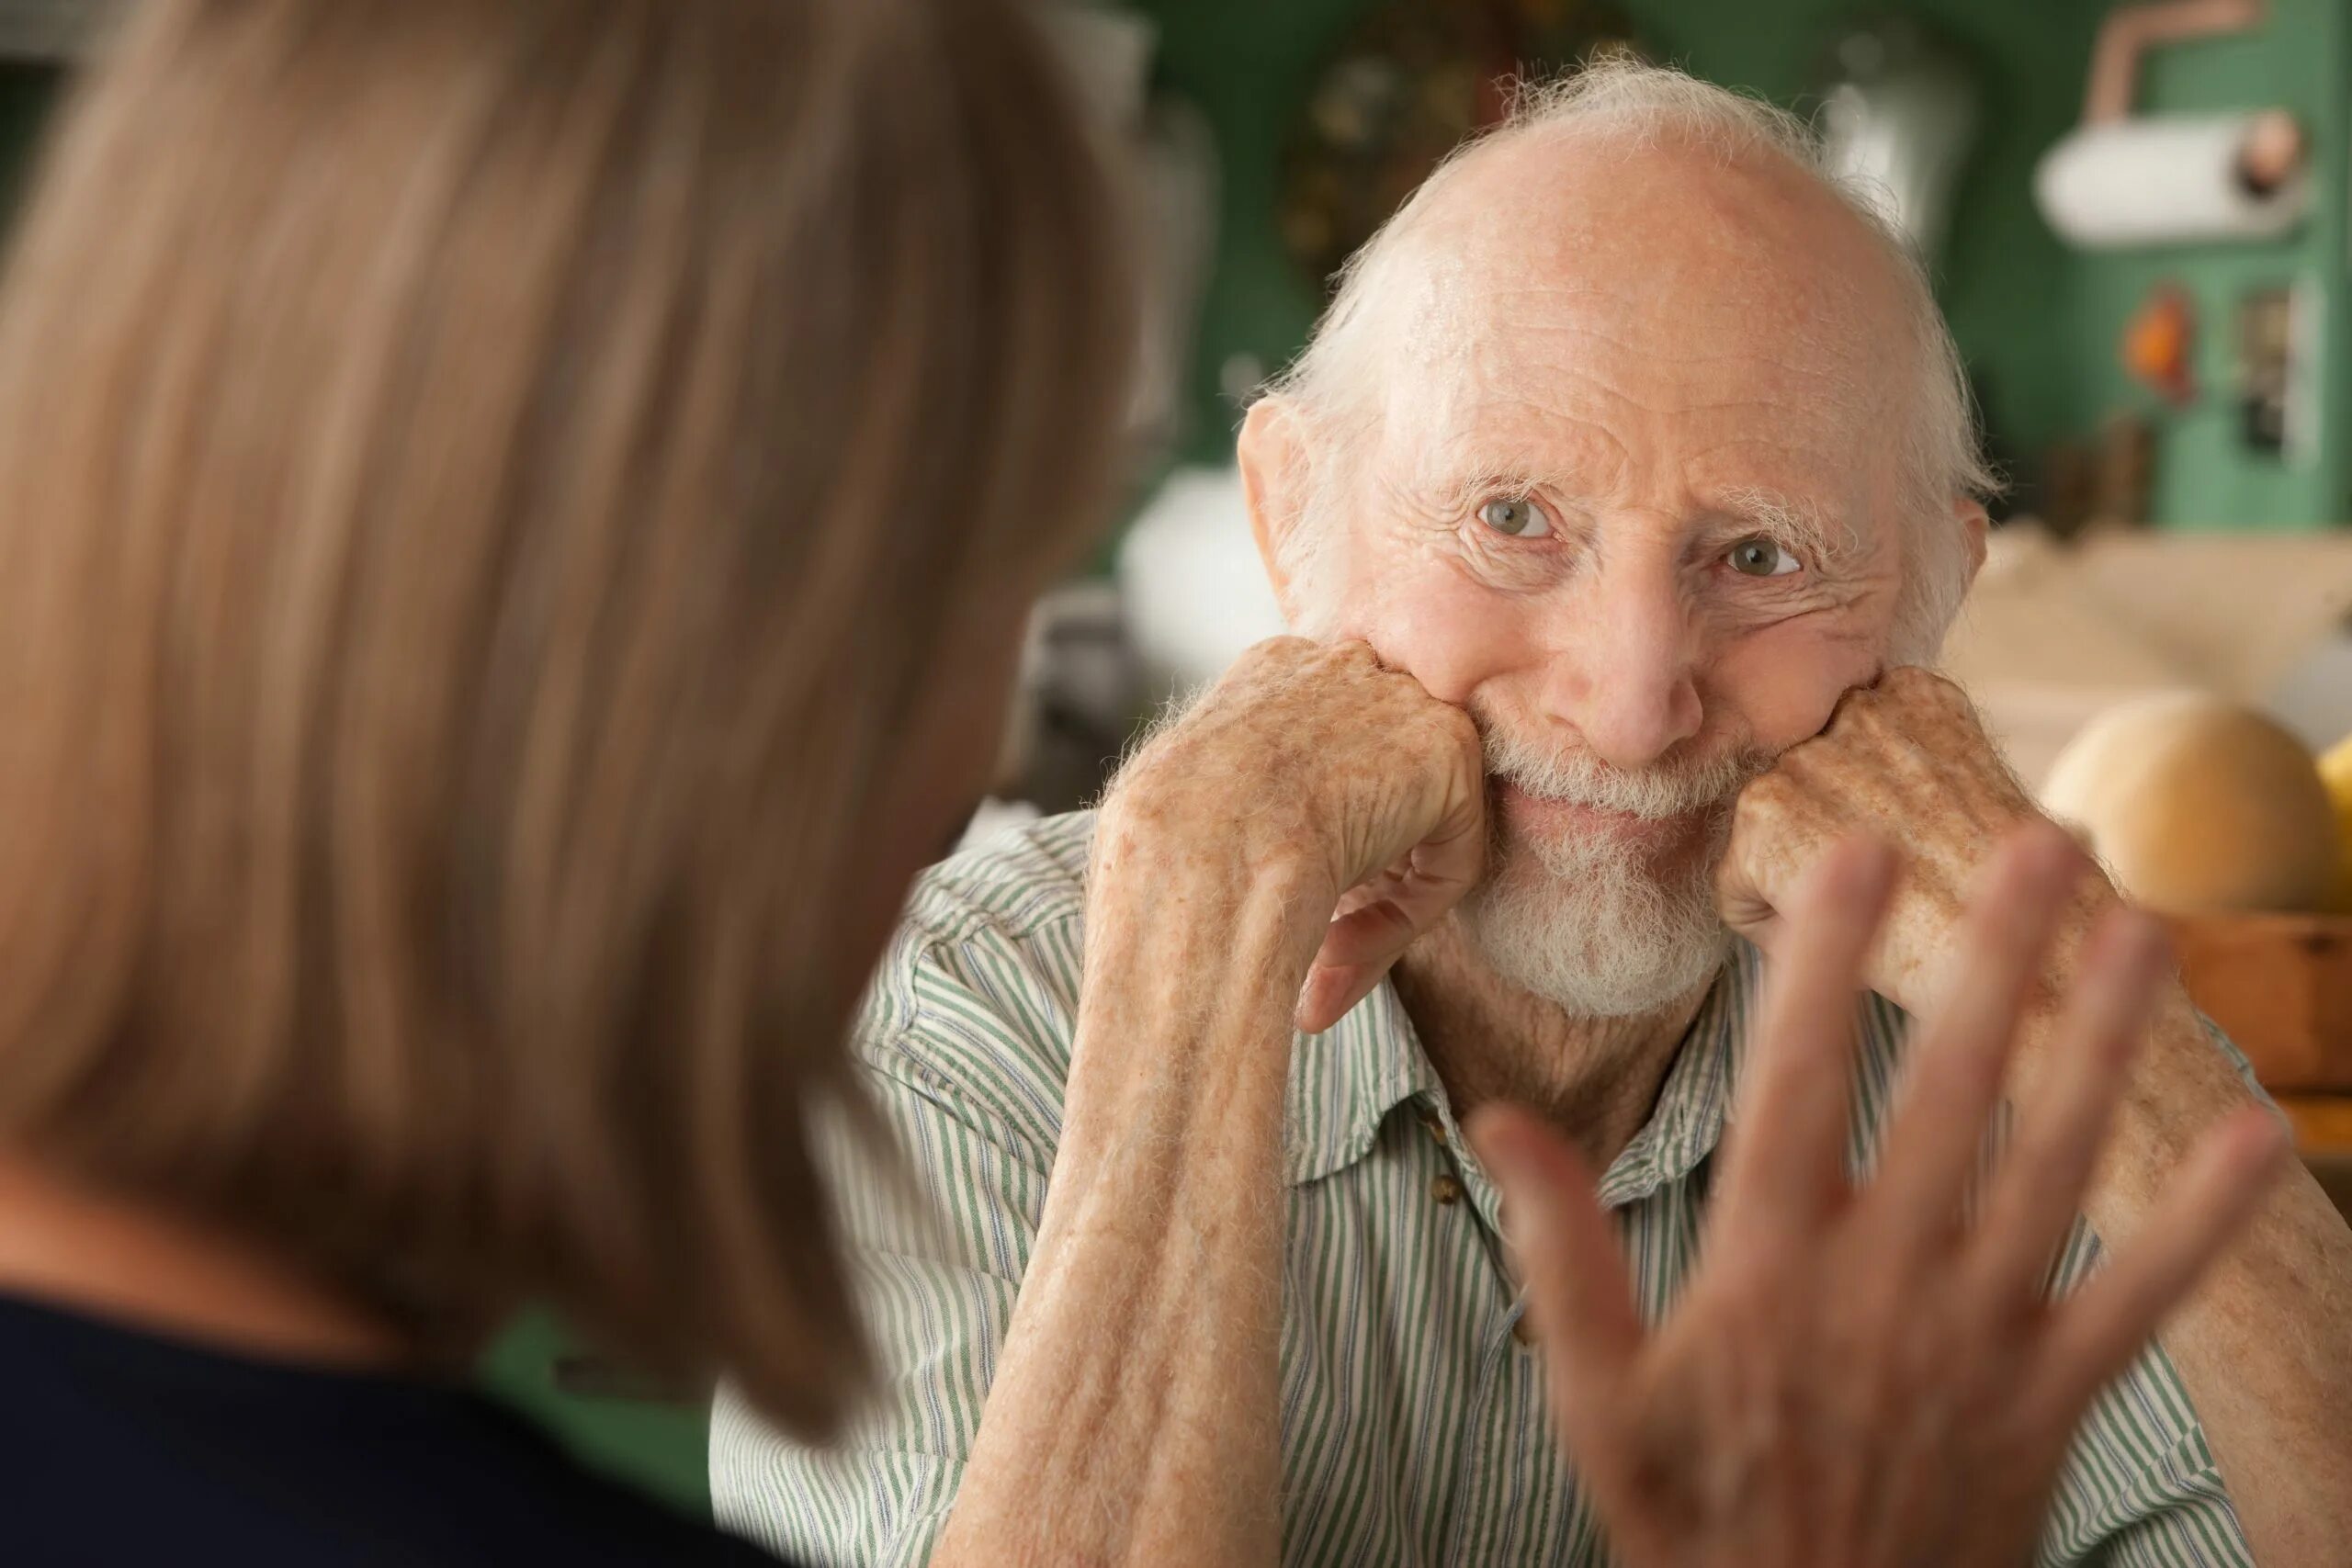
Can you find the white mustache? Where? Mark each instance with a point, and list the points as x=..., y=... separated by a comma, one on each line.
x=1654, y=793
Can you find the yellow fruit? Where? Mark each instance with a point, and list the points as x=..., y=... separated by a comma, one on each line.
x=2335, y=772
x=2197, y=803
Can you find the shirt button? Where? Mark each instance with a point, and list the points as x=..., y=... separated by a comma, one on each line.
x=1436, y=1127
x=1522, y=1329
x=1446, y=1190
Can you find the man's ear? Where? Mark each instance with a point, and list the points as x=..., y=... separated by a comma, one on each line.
x=1274, y=485
x=1968, y=513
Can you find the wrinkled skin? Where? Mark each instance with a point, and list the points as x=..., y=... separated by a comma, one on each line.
x=1317, y=747
x=1904, y=761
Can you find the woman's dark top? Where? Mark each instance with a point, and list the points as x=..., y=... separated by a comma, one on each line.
x=118, y=1446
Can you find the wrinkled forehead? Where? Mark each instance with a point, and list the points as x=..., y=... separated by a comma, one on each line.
x=1558, y=294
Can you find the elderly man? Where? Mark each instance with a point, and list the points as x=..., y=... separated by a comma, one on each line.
x=1638, y=441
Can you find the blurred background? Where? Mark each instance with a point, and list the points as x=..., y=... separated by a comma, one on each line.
x=2136, y=218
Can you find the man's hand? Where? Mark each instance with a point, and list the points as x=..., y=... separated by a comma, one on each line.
x=1906, y=763
x=1855, y=1376
x=1312, y=762
x=2260, y=1348
x=1135, y=1415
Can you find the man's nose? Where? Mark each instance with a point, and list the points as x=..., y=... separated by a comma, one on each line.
x=1624, y=661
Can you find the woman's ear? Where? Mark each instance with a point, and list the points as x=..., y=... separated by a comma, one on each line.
x=1273, y=466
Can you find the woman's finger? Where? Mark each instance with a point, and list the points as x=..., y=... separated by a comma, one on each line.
x=1933, y=1143
x=1578, y=1292
x=1784, y=1157
x=2039, y=1188
x=2094, y=1335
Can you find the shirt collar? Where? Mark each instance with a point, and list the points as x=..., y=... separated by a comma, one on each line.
x=1345, y=1082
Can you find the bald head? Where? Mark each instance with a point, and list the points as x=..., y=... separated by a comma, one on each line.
x=1635, y=212
x=1560, y=263
x=1654, y=228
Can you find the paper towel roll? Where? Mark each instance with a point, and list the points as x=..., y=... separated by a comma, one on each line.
x=2159, y=180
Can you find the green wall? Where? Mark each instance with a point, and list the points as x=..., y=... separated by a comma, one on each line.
x=660, y=1446
x=2037, y=322
x=1246, y=64
x=2298, y=60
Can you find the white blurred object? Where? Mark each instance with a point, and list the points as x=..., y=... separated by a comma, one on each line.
x=993, y=818
x=1900, y=117
x=1178, y=171
x=1111, y=53
x=1171, y=174
x=2163, y=180
x=2314, y=697
x=1196, y=591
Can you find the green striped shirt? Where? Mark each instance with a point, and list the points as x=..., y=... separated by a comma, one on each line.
x=1414, y=1421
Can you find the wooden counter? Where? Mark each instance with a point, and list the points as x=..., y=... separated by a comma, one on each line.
x=2281, y=986
x=2322, y=1124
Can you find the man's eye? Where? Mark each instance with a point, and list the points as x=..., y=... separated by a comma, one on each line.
x=1518, y=517
x=1760, y=557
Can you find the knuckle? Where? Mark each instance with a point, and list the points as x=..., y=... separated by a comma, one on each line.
x=1918, y=685
x=1274, y=651
x=1853, y=726
x=1457, y=724
x=1942, y=688
x=1261, y=667
x=1767, y=794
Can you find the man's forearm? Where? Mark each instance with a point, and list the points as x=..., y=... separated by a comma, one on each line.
x=1133, y=1418
x=2265, y=1344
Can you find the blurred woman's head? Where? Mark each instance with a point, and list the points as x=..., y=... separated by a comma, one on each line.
x=515, y=519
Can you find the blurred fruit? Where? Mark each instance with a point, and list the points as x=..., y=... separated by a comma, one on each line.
x=2198, y=804
x=2335, y=772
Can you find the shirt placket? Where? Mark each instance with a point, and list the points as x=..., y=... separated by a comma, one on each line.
x=1503, y=1505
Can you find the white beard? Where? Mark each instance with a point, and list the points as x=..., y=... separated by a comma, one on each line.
x=1589, y=928
x=1589, y=924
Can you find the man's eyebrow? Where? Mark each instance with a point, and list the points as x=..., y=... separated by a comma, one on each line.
x=1458, y=491
x=1793, y=521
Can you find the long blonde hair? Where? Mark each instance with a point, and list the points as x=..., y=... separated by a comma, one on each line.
x=483, y=485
